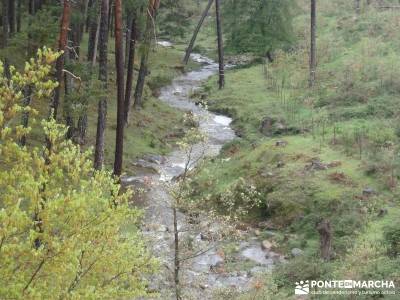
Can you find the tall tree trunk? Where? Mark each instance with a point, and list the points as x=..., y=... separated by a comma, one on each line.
x=220, y=46
x=103, y=42
x=313, y=47
x=101, y=127
x=127, y=37
x=102, y=107
x=196, y=31
x=90, y=5
x=93, y=25
x=357, y=6
x=119, y=61
x=12, y=16
x=141, y=80
x=96, y=43
x=62, y=42
x=19, y=15
x=32, y=7
x=131, y=62
x=151, y=13
x=5, y=20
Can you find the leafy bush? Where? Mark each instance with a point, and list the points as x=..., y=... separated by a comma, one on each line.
x=392, y=239
x=62, y=224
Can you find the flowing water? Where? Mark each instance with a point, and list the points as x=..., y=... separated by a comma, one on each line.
x=204, y=273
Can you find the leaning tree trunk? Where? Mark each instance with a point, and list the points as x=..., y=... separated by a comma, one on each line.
x=102, y=107
x=196, y=31
x=313, y=48
x=62, y=42
x=220, y=46
x=131, y=62
x=151, y=13
x=119, y=62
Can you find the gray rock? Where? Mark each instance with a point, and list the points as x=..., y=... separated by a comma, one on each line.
x=296, y=252
x=369, y=192
x=266, y=245
x=281, y=144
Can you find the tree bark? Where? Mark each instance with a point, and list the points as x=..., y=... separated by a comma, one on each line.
x=93, y=25
x=102, y=107
x=131, y=62
x=220, y=46
x=313, y=48
x=19, y=15
x=62, y=42
x=12, y=16
x=140, y=81
x=32, y=7
x=5, y=24
x=151, y=13
x=101, y=127
x=103, y=42
x=196, y=31
x=119, y=61
x=357, y=6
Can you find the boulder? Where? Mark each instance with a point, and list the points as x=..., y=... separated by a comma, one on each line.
x=296, y=252
x=266, y=245
x=369, y=192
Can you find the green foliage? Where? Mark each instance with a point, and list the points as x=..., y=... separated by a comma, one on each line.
x=392, y=239
x=259, y=26
x=61, y=232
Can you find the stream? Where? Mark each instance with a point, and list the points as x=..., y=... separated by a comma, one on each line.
x=206, y=272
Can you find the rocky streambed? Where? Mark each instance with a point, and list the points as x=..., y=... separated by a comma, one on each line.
x=209, y=268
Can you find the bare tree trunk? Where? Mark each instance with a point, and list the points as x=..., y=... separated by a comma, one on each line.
x=313, y=48
x=176, y=256
x=325, y=233
x=140, y=81
x=196, y=31
x=96, y=42
x=119, y=61
x=131, y=62
x=19, y=15
x=12, y=16
x=32, y=7
x=93, y=20
x=103, y=42
x=62, y=42
x=151, y=13
x=5, y=23
x=89, y=15
x=357, y=6
x=220, y=46
x=101, y=127
x=102, y=107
